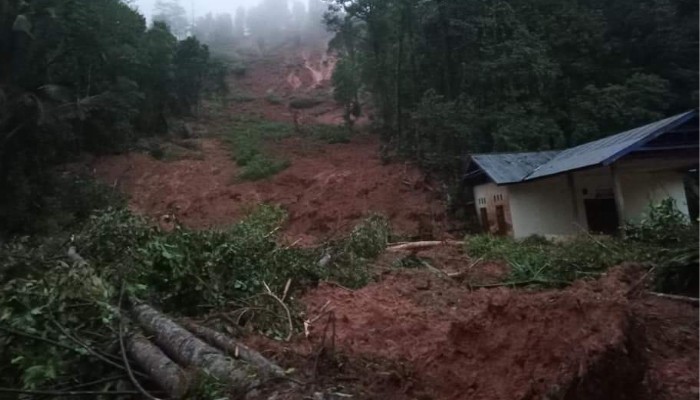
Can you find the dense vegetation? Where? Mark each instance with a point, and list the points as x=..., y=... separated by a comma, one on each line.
x=58, y=314
x=663, y=238
x=84, y=75
x=447, y=77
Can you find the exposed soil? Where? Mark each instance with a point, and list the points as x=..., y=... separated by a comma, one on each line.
x=401, y=339
x=414, y=333
x=326, y=190
x=288, y=74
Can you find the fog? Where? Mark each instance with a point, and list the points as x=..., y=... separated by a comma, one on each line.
x=201, y=7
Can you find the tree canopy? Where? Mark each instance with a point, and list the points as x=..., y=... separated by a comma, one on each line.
x=84, y=75
x=446, y=77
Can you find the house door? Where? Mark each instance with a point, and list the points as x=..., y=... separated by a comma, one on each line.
x=484, y=218
x=501, y=220
x=601, y=215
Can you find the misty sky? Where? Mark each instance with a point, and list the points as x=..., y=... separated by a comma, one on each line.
x=201, y=7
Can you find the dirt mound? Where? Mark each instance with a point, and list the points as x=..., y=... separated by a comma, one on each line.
x=671, y=347
x=326, y=190
x=492, y=344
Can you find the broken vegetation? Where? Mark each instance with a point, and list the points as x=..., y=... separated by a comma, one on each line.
x=63, y=313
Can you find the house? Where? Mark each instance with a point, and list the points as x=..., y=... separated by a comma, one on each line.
x=596, y=186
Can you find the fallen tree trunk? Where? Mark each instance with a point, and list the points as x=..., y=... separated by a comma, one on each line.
x=161, y=369
x=416, y=246
x=685, y=299
x=190, y=351
x=235, y=349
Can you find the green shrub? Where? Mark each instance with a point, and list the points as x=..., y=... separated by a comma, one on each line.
x=662, y=224
x=663, y=237
x=331, y=133
x=272, y=98
x=241, y=97
x=261, y=167
x=668, y=233
x=182, y=272
x=304, y=103
x=553, y=264
x=369, y=238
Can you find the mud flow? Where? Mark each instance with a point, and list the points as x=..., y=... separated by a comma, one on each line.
x=413, y=334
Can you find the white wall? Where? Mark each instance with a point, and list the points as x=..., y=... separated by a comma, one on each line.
x=643, y=188
x=542, y=207
x=489, y=196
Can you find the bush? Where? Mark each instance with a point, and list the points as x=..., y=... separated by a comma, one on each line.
x=272, y=98
x=674, y=240
x=331, y=134
x=261, y=167
x=44, y=293
x=304, y=103
x=663, y=237
x=552, y=264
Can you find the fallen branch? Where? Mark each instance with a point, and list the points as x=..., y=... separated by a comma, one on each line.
x=286, y=309
x=461, y=274
x=684, y=299
x=309, y=322
x=235, y=349
x=416, y=246
x=438, y=272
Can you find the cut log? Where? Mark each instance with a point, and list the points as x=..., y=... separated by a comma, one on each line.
x=235, y=349
x=190, y=351
x=161, y=369
x=416, y=246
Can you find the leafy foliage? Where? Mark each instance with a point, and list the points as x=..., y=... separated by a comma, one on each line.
x=261, y=167
x=85, y=75
x=247, y=137
x=664, y=237
x=448, y=77
x=54, y=307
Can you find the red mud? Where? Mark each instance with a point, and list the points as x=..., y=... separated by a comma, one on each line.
x=395, y=339
x=671, y=347
x=326, y=190
x=488, y=344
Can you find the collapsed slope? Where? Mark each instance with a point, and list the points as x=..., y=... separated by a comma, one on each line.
x=326, y=190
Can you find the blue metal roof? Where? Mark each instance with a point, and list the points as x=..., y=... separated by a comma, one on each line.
x=505, y=168
x=610, y=149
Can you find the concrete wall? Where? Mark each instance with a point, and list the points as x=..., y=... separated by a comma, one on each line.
x=546, y=206
x=489, y=196
x=542, y=207
x=643, y=188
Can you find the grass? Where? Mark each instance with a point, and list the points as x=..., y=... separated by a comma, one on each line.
x=242, y=97
x=272, y=98
x=303, y=103
x=550, y=264
x=261, y=167
x=246, y=139
x=331, y=133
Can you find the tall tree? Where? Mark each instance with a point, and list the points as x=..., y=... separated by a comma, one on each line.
x=173, y=14
x=239, y=26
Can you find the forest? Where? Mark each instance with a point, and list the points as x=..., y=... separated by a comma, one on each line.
x=305, y=238
x=450, y=77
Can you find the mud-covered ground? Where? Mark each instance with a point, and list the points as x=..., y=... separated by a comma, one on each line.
x=414, y=334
